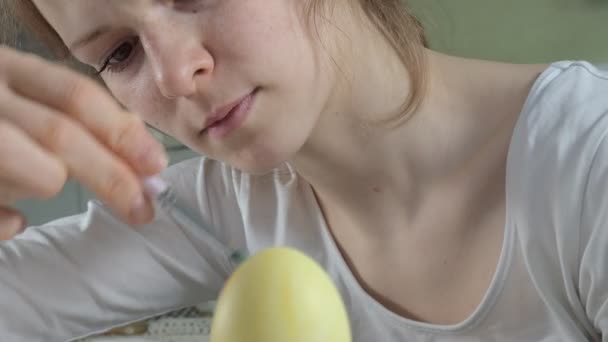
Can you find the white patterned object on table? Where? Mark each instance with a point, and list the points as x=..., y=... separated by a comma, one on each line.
x=180, y=327
x=192, y=324
x=167, y=330
x=153, y=339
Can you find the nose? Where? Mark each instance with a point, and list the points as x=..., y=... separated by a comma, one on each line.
x=178, y=62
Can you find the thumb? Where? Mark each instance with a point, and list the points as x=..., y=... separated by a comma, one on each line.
x=12, y=223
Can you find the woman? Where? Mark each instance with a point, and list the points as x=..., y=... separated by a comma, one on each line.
x=450, y=199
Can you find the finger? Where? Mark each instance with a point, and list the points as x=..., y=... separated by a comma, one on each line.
x=12, y=223
x=86, y=159
x=87, y=102
x=11, y=193
x=22, y=162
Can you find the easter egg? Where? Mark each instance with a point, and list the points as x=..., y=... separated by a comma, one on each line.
x=280, y=295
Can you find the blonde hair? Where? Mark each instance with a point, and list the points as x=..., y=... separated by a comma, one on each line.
x=391, y=17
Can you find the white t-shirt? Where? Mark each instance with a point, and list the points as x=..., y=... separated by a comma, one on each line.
x=84, y=274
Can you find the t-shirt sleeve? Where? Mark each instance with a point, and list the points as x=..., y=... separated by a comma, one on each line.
x=593, y=273
x=85, y=274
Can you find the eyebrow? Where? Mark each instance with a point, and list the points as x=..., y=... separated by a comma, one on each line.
x=89, y=37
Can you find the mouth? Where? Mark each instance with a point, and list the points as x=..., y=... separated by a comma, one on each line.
x=230, y=117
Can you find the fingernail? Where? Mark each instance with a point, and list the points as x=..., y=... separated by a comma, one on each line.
x=140, y=210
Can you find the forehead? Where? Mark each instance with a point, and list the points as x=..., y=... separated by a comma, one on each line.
x=70, y=17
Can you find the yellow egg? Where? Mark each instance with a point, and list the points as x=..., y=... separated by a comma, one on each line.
x=280, y=295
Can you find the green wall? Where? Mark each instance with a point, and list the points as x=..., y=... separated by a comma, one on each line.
x=520, y=31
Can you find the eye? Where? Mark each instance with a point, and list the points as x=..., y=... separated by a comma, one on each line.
x=186, y=5
x=120, y=58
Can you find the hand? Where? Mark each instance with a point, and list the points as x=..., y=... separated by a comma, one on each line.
x=56, y=124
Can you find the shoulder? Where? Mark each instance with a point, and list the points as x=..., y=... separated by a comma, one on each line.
x=203, y=177
x=576, y=78
x=211, y=189
x=568, y=97
x=560, y=130
x=245, y=209
x=553, y=150
x=556, y=174
x=593, y=241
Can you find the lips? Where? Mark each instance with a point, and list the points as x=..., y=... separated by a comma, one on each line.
x=229, y=117
x=222, y=112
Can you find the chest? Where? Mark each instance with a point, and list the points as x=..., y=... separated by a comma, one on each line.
x=512, y=309
x=437, y=280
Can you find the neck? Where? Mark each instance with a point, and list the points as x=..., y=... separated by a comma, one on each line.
x=454, y=145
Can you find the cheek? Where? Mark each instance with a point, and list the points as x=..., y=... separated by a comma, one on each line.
x=266, y=42
x=142, y=99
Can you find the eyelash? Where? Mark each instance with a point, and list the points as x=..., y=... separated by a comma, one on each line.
x=185, y=4
x=120, y=66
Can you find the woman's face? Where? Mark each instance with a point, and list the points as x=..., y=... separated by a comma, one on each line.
x=182, y=65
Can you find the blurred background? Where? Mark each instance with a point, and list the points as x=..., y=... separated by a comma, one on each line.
x=518, y=31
